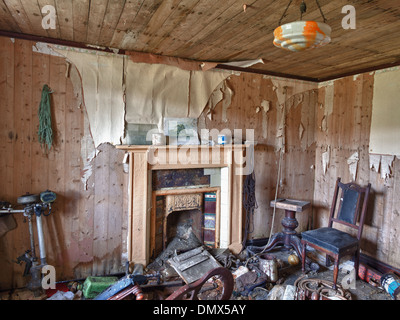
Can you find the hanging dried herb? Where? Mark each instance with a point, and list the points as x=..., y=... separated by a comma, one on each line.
x=45, y=131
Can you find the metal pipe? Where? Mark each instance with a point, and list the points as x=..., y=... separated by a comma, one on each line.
x=42, y=248
x=11, y=211
x=32, y=240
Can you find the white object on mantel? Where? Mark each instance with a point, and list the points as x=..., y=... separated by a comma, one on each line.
x=302, y=35
x=158, y=139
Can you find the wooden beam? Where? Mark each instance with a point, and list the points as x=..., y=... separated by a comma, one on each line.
x=360, y=71
x=265, y=72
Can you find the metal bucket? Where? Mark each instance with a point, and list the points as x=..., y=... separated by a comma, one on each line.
x=222, y=139
x=268, y=264
x=392, y=285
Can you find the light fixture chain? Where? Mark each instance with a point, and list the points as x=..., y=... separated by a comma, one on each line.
x=290, y=2
x=303, y=9
x=320, y=9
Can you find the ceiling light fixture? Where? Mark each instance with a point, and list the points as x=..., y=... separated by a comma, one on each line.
x=302, y=35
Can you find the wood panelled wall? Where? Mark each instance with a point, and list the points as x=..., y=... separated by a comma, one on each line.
x=83, y=233
x=281, y=113
x=335, y=116
x=347, y=132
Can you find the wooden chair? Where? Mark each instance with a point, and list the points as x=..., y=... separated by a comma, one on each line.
x=350, y=211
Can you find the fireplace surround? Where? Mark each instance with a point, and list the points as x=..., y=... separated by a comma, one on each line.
x=144, y=160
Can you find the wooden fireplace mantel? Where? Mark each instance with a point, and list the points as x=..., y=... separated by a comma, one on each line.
x=144, y=159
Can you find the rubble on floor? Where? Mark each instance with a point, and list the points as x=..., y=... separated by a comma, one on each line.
x=275, y=275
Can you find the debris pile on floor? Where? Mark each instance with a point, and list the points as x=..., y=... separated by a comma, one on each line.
x=274, y=275
x=255, y=277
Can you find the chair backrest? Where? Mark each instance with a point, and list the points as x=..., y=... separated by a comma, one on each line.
x=351, y=208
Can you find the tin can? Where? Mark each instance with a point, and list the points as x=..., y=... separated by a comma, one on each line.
x=240, y=271
x=268, y=265
x=158, y=139
x=222, y=139
x=391, y=284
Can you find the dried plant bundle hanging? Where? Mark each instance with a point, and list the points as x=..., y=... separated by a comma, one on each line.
x=45, y=131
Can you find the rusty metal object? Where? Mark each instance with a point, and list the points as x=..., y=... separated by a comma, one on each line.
x=332, y=294
x=193, y=264
x=293, y=260
x=129, y=284
x=268, y=265
x=135, y=290
x=317, y=289
x=225, y=276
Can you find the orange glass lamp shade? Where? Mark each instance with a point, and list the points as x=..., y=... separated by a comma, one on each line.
x=302, y=35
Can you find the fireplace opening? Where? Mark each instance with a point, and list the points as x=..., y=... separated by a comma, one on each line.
x=183, y=241
x=195, y=210
x=189, y=218
x=187, y=222
x=195, y=199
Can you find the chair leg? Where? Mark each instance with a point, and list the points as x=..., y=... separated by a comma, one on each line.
x=303, y=257
x=357, y=262
x=328, y=261
x=335, y=272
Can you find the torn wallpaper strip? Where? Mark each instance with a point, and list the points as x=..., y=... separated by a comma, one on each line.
x=102, y=82
x=374, y=162
x=386, y=165
x=385, y=119
x=116, y=90
x=244, y=64
x=266, y=105
x=156, y=91
x=226, y=103
x=326, y=158
x=352, y=161
x=381, y=163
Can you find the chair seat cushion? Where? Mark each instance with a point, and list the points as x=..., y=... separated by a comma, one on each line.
x=331, y=239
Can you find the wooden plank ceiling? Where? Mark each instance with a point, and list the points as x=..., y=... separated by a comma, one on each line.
x=219, y=31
